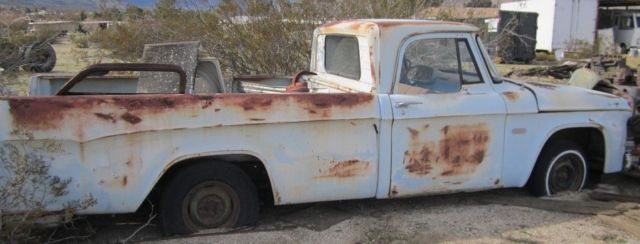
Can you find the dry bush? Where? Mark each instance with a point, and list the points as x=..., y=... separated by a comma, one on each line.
x=28, y=187
x=580, y=49
x=79, y=40
x=545, y=57
x=261, y=37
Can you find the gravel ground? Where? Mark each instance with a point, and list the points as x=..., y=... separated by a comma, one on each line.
x=457, y=218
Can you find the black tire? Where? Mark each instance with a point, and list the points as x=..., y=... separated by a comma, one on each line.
x=208, y=195
x=561, y=166
x=623, y=48
x=40, y=58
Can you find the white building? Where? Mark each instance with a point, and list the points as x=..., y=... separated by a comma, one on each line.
x=560, y=22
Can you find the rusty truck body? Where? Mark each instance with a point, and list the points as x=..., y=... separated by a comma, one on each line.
x=396, y=108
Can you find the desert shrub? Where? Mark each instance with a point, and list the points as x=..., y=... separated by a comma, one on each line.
x=79, y=40
x=10, y=84
x=580, y=49
x=29, y=187
x=545, y=57
x=259, y=37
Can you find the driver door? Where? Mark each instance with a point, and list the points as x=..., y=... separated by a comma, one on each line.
x=448, y=128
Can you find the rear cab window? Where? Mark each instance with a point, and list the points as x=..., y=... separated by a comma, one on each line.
x=342, y=56
x=343, y=64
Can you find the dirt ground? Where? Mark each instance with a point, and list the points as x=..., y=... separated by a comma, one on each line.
x=497, y=216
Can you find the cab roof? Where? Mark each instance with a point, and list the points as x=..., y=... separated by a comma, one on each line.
x=363, y=26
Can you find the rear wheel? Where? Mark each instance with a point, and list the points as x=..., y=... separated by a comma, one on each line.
x=561, y=167
x=207, y=196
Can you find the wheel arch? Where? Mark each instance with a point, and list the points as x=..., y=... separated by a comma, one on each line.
x=249, y=162
x=590, y=137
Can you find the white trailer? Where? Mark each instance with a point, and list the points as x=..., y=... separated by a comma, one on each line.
x=560, y=22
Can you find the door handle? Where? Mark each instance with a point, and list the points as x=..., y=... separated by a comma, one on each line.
x=406, y=104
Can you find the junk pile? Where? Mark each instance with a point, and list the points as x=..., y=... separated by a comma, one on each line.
x=616, y=70
x=616, y=75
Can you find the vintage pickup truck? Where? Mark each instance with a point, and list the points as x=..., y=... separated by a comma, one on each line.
x=390, y=109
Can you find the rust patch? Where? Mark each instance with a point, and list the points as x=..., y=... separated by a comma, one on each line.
x=464, y=146
x=326, y=100
x=39, y=113
x=460, y=149
x=419, y=162
x=44, y=113
x=108, y=117
x=388, y=24
x=51, y=113
x=115, y=182
x=158, y=103
x=372, y=64
x=414, y=133
x=347, y=168
x=511, y=96
x=447, y=173
x=132, y=119
x=543, y=85
x=207, y=103
x=254, y=102
x=394, y=190
x=217, y=110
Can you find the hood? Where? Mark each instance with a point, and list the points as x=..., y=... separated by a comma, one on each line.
x=555, y=97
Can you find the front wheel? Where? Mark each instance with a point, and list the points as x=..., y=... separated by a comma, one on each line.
x=561, y=167
x=206, y=196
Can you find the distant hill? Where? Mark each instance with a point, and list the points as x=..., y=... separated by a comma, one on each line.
x=95, y=4
x=75, y=4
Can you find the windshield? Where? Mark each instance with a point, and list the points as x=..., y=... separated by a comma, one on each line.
x=493, y=71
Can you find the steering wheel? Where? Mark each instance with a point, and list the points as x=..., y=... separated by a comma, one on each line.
x=296, y=85
x=420, y=74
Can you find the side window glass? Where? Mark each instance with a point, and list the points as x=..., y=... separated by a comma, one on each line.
x=626, y=23
x=470, y=73
x=436, y=66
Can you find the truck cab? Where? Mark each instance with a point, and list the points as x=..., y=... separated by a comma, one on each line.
x=626, y=30
x=449, y=121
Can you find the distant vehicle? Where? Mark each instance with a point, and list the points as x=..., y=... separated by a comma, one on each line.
x=626, y=30
x=389, y=109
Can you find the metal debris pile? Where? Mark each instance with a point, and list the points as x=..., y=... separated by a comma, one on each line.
x=617, y=70
x=562, y=71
